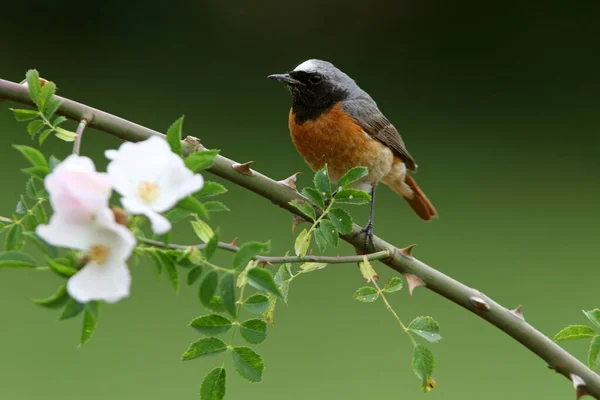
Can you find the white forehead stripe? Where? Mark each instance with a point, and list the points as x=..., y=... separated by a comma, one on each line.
x=307, y=66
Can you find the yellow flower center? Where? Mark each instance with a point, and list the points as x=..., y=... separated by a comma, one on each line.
x=99, y=253
x=148, y=191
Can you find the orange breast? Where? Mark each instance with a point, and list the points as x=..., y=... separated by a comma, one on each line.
x=335, y=139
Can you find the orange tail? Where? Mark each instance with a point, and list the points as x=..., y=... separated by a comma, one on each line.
x=413, y=195
x=419, y=202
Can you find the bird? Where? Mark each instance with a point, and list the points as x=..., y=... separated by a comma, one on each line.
x=333, y=122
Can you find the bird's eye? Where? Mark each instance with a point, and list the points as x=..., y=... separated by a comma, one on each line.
x=315, y=79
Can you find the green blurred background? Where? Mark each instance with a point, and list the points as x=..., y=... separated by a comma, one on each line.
x=497, y=101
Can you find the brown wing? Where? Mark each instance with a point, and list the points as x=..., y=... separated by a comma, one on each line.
x=371, y=120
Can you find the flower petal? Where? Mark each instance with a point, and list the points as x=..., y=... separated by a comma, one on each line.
x=62, y=233
x=105, y=282
x=160, y=224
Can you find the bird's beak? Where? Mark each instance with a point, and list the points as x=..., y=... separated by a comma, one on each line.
x=286, y=78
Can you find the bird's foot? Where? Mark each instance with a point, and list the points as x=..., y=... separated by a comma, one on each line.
x=368, y=231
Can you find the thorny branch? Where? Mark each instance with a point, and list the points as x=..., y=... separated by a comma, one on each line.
x=511, y=322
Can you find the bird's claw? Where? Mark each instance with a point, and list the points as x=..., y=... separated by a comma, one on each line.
x=368, y=231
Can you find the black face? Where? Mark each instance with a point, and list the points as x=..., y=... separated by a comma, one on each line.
x=312, y=94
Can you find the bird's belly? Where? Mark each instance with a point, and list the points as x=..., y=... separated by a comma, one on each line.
x=337, y=140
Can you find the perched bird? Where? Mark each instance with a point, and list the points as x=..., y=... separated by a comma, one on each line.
x=333, y=121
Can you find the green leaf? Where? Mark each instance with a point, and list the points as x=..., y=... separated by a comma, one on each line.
x=320, y=240
x=16, y=259
x=302, y=243
x=174, y=136
x=208, y=288
x=593, y=316
x=65, y=135
x=352, y=176
x=14, y=238
x=171, y=269
x=282, y=277
x=594, y=351
x=156, y=261
x=57, y=300
x=71, y=310
x=211, y=189
x=262, y=279
x=44, y=135
x=59, y=120
x=305, y=208
x=228, y=294
x=211, y=324
x=39, y=172
x=322, y=184
x=194, y=274
x=34, y=156
x=215, y=206
x=24, y=115
x=257, y=303
x=341, y=220
x=34, y=127
x=366, y=294
x=30, y=189
x=314, y=196
x=254, y=330
x=176, y=214
x=312, y=266
x=248, y=251
x=216, y=304
x=212, y=245
x=329, y=232
x=51, y=107
x=423, y=363
x=20, y=209
x=204, y=347
x=213, y=385
x=393, y=285
x=61, y=269
x=574, y=332
x=33, y=84
x=248, y=363
x=45, y=95
x=90, y=321
x=352, y=196
x=200, y=160
x=426, y=327
x=202, y=230
x=194, y=205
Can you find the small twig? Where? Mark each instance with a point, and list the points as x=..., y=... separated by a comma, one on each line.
x=277, y=260
x=79, y=133
x=390, y=309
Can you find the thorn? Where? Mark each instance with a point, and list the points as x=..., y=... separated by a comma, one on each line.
x=479, y=303
x=407, y=251
x=233, y=241
x=243, y=168
x=267, y=263
x=296, y=220
x=290, y=181
x=518, y=312
x=413, y=282
x=578, y=385
x=310, y=253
